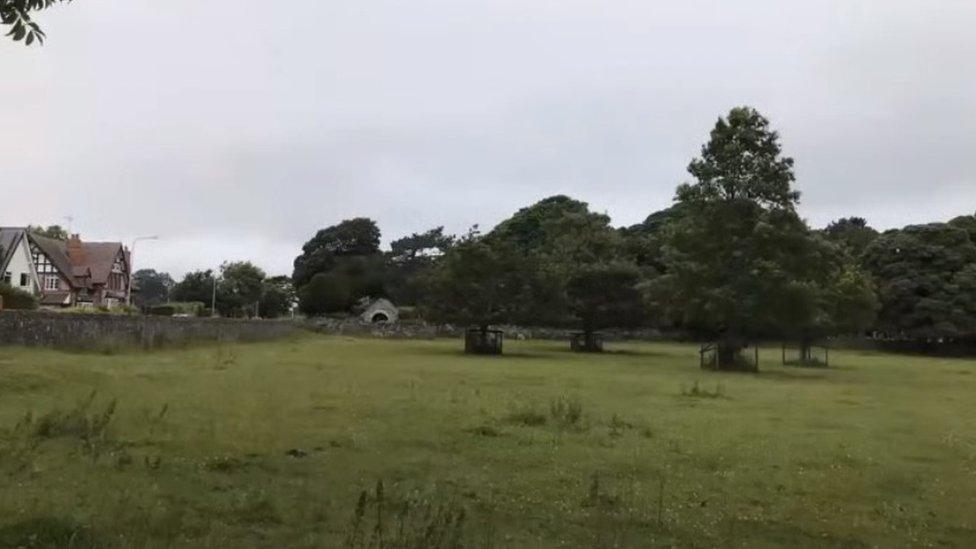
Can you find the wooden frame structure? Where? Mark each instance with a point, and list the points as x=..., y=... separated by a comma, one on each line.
x=483, y=342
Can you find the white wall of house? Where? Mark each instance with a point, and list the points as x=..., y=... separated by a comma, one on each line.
x=21, y=269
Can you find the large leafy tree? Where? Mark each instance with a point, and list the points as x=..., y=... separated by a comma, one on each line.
x=926, y=276
x=153, y=287
x=347, y=256
x=739, y=260
x=57, y=232
x=852, y=234
x=19, y=16
x=240, y=288
x=340, y=288
x=558, y=236
x=643, y=242
x=196, y=286
x=325, y=293
x=531, y=228
x=350, y=238
x=967, y=223
x=853, y=302
x=479, y=283
x=604, y=295
x=277, y=297
x=410, y=258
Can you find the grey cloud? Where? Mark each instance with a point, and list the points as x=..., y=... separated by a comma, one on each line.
x=236, y=134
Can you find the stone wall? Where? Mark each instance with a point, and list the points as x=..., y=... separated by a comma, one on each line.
x=104, y=331
x=423, y=330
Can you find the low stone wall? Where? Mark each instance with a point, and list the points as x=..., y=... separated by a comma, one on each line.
x=103, y=331
x=423, y=330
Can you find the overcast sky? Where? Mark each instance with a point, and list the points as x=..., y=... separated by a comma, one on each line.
x=235, y=132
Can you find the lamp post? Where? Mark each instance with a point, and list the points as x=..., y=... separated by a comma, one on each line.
x=132, y=253
x=213, y=297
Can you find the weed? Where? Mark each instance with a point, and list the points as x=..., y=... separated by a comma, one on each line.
x=47, y=532
x=596, y=497
x=257, y=508
x=697, y=391
x=484, y=431
x=224, y=358
x=566, y=411
x=527, y=415
x=618, y=425
x=416, y=521
x=90, y=428
x=223, y=464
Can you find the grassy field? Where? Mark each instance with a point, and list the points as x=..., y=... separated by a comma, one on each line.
x=325, y=441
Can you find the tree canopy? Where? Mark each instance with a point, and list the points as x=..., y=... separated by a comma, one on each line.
x=742, y=162
x=350, y=238
x=51, y=231
x=19, y=16
x=239, y=289
x=926, y=277
x=151, y=287
x=409, y=260
x=277, y=297
x=739, y=261
x=196, y=286
x=603, y=295
x=348, y=258
x=479, y=282
x=851, y=233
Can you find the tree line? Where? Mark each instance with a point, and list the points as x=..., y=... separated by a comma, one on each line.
x=730, y=260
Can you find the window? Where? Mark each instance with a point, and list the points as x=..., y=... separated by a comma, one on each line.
x=51, y=283
x=6, y=278
x=23, y=279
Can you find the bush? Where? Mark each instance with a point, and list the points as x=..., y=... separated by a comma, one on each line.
x=14, y=298
x=162, y=310
x=188, y=308
x=326, y=293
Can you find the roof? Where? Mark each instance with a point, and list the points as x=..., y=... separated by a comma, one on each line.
x=54, y=298
x=56, y=251
x=10, y=238
x=99, y=258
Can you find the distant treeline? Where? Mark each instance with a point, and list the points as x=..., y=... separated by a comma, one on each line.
x=731, y=259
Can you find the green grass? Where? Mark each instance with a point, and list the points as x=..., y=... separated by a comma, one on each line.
x=284, y=444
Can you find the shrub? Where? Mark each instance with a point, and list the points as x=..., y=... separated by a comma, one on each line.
x=162, y=310
x=526, y=415
x=697, y=391
x=326, y=293
x=431, y=521
x=566, y=411
x=189, y=308
x=47, y=532
x=14, y=298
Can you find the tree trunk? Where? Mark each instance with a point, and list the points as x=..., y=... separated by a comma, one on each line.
x=729, y=358
x=481, y=341
x=805, y=351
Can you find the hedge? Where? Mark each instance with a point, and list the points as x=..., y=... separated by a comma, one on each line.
x=14, y=298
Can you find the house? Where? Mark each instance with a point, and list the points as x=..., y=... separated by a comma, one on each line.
x=64, y=273
x=16, y=266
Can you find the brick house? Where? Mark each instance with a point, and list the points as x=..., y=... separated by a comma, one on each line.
x=65, y=273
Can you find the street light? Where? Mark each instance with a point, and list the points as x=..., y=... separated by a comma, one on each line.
x=132, y=253
x=213, y=297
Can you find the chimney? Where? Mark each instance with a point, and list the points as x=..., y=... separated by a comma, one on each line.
x=76, y=253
